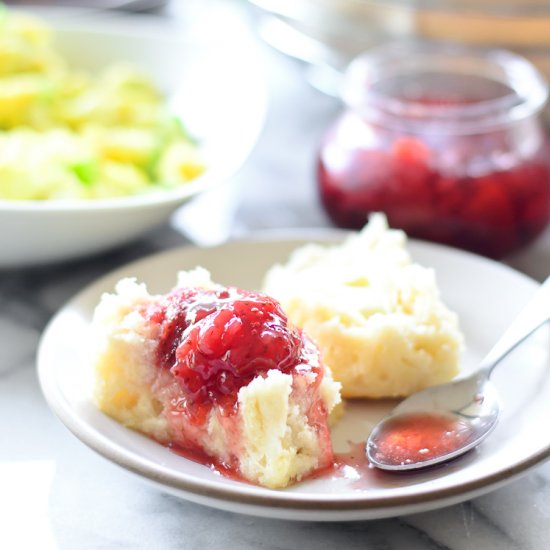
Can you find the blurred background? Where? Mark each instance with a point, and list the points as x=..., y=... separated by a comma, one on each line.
x=307, y=45
x=334, y=31
x=131, y=5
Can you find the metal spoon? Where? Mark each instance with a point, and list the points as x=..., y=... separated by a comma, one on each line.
x=442, y=422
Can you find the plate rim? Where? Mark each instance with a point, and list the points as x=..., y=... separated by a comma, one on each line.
x=250, y=495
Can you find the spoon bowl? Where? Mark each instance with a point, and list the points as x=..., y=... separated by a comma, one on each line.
x=443, y=422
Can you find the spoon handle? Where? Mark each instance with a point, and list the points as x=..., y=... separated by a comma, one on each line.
x=531, y=317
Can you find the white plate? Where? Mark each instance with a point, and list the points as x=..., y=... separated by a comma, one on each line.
x=486, y=295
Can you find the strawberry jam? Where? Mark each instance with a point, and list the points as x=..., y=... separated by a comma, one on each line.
x=453, y=157
x=420, y=437
x=215, y=341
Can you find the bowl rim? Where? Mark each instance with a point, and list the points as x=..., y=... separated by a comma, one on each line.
x=144, y=200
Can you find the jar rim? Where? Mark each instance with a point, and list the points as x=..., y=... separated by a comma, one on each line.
x=528, y=89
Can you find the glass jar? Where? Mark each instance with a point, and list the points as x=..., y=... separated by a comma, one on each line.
x=447, y=141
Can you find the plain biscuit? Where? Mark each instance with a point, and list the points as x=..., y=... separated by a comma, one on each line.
x=376, y=316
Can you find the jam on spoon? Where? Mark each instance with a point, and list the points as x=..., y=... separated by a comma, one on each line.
x=443, y=422
x=416, y=437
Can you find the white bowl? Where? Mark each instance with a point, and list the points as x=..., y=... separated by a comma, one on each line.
x=215, y=85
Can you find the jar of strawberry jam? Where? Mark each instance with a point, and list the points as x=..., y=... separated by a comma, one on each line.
x=447, y=141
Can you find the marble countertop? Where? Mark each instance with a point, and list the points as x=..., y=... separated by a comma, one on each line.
x=57, y=494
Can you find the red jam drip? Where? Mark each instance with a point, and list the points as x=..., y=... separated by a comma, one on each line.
x=420, y=437
x=216, y=341
x=200, y=457
x=490, y=209
x=354, y=460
